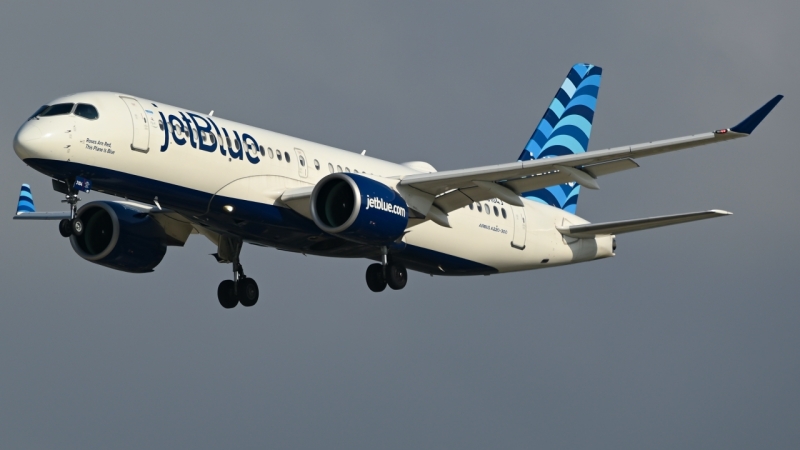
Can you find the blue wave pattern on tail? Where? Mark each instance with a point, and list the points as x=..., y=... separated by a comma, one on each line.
x=25, y=203
x=565, y=130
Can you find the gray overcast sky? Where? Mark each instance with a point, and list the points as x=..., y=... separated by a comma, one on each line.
x=687, y=339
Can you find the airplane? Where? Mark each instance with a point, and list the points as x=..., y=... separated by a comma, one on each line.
x=180, y=172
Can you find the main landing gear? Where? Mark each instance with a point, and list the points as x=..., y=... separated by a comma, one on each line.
x=241, y=289
x=386, y=273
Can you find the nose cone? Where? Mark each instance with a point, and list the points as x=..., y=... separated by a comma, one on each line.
x=26, y=139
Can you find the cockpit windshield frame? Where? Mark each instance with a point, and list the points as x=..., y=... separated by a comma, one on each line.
x=59, y=109
x=84, y=110
x=87, y=111
x=38, y=111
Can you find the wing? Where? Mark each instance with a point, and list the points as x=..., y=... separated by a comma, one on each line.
x=453, y=189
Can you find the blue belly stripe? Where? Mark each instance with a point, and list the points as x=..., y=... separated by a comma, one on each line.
x=254, y=222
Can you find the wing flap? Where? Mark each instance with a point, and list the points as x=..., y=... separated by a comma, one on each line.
x=591, y=230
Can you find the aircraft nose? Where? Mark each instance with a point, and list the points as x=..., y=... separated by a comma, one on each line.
x=25, y=135
x=29, y=132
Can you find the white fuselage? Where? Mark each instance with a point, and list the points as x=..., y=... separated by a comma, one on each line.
x=143, y=153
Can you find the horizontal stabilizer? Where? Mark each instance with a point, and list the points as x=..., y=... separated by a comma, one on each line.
x=27, y=211
x=591, y=230
x=43, y=216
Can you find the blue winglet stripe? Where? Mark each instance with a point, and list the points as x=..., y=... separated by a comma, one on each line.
x=565, y=129
x=25, y=202
x=748, y=125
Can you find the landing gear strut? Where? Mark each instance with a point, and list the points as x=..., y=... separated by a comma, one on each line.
x=388, y=272
x=73, y=225
x=241, y=289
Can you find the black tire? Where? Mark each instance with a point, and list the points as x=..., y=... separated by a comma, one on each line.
x=396, y=276
x=65, y=228
x=77, y=227
x=226, y=295
x=247, y=292
x=375, y=279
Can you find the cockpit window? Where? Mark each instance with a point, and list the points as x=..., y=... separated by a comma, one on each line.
x=59, y=109
x=38, y=111
x=86, y=111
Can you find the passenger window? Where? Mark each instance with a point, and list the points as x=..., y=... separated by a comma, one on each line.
x=269, y=149
x=160, y=125
x=302, y=161
x=238, y=144
x=261, y=149
x=38, y=111
x=229, y=141
x=316, y=164
x=470, y=207
x=479, y=208
x=504, y=213
x=286, y=155
x=330, y=167
x=212, y=138
x=355, y=170
x=496, y=212
x=338, y=168
x=86, y=111
x=486, y=207
x=57, y=110
x=347, y=169
x=278, y=154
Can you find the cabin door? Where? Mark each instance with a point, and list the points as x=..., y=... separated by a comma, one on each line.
x=141, y=131
x=520, y=227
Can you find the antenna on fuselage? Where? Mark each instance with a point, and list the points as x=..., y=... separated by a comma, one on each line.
x=211, y=113
x=363, y=152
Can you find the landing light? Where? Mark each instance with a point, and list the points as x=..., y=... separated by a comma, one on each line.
x=228, y=208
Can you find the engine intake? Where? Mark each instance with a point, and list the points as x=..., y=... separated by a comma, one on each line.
x=359, y=209
x=120, y=237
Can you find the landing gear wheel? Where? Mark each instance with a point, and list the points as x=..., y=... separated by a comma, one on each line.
x=375, y=279
x=396, y=276
x=65, y=228
x=77, y=226
x=227, y=295
x=247, y=292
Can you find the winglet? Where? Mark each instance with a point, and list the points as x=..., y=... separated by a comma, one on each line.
x=25, y=203
x=748, y=125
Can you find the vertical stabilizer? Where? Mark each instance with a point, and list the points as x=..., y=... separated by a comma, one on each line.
x=565, y=130
x=25, y=203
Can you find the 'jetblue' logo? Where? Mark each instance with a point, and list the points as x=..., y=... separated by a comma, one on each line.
x=380, y=204
x=205, y=135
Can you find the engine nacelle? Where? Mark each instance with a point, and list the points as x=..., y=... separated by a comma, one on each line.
x=119, y=236
x=359, y=209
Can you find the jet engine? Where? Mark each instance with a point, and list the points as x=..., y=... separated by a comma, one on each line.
x=120, y=236
x=359, y=209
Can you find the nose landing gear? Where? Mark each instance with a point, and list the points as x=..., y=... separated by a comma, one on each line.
x=73, y=225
